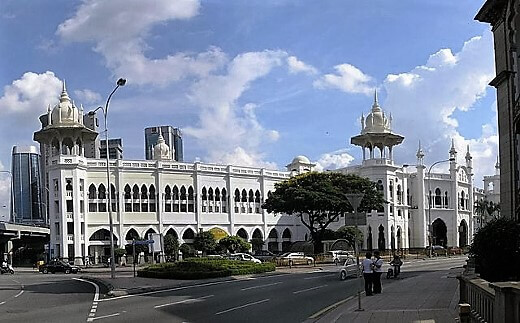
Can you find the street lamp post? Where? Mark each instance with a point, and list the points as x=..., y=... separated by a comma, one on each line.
x=430, y=202
x=120, y=82
x=355, y=199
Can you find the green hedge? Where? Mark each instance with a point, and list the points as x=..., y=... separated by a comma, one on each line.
x=201, y=268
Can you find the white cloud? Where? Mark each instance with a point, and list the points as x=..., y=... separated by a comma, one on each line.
x=333, y=160
x=297, y=66
x=229, y=132
x=88, y=96
x=424, y=100
x=348, y=79
x=118, y=29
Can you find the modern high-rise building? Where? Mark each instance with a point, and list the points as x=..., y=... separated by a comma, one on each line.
x=115, y=149
x=29, y=206
x=92, y=147
x=172, y=137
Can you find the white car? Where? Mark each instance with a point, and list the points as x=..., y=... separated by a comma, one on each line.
x=244, y=257
x=348, y=269
x=339, y=256
x=293, y=258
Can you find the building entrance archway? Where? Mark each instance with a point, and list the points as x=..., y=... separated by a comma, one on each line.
x=439, y=231
x=463, y=234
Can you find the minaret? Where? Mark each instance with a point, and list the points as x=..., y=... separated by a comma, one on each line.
x=49, y=116
x=497, y=167
x=453, y=236
x=453, y=156
x=469, y=163
x=421, y=204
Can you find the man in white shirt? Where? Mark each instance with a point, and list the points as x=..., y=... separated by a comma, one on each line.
x=367, y=273
x=378, y=270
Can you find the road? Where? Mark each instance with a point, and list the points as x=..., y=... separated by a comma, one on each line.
x=289, y=297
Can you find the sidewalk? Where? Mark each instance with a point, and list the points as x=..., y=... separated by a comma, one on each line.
x=429, y=297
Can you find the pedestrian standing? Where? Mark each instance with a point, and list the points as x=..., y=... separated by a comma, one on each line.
x=378, y=270
x=367, y=273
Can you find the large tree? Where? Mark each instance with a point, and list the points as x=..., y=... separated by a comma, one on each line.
x=318, y=199
x=205, y=242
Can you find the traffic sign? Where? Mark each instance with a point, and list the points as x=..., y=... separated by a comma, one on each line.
x=144, y=242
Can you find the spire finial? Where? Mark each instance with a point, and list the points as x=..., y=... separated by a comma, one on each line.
x=375, y=97
x=64, y=95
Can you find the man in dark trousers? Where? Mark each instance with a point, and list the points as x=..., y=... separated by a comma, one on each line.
x=367, y=273
x=378, y=270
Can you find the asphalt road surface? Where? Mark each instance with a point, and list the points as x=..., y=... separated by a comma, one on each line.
x=291, y=297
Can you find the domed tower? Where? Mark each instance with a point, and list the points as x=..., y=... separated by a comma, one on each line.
x=299, y=165
x=161, y=151
x=63, y=131
x=376, y=132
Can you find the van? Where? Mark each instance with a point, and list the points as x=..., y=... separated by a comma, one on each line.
x=339, y=256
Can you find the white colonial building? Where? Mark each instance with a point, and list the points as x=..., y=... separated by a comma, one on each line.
x=168, y=197
x=159, y=196
x=417, y=200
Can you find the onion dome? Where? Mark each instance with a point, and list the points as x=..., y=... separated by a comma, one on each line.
x=376, y=121
x=301, y=159
x=65, y=113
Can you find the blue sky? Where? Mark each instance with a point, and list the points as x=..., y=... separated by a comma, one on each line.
x=256, y=82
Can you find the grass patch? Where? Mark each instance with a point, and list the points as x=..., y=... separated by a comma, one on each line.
x=201, y=268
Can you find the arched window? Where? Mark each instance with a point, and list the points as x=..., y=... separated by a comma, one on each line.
x=135, y=192
x=152, y=199
x=68, y=186
x=210, y=194
x=237, y=195
x=128, y=196
x=399, y=194
x=175, y=193
x=438, y=197
x=204, y=194
x=446, y=199
x=102, y=206
x=131, y=234
x=257, y=196
x=112, y=192
x=191, y=198
x=462, y=199
x=391, y=189
x=135, y=195
x=224, y=197
x=183, y=207
x=188, y=235
x=92, y=191
x=251, y=196
x=244, y=195
x=168, y=198
x=144, y=198
x=380, y=186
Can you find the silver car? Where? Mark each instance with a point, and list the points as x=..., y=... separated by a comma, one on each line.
x=348, y=269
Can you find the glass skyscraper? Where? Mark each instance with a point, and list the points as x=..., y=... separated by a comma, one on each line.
x=28, y=206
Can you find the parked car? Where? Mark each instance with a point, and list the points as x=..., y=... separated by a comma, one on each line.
x=348, y=269
x=244, y=257
x=338, y=256
x=294, y=258
x=58, y=266
x=264, y=255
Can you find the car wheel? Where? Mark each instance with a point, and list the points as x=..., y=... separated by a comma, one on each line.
x=343, y=275
x=309, y=262
x=67, y=271
x=45, y=271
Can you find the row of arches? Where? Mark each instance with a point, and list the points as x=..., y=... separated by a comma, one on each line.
x=189, y=234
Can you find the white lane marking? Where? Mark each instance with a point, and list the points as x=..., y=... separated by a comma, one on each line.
x=308, y=289
x=260, y=286
x=320, y=276
x=189, y=300
x=242, y=306
x=20, y=293
x=93, y=309
x=188, y=287
x=104, y=317
x=2, y=303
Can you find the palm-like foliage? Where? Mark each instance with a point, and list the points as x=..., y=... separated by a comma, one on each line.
x=318, y=199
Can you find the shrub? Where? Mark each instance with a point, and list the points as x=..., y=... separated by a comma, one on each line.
x=496, y=249
x=200, y=268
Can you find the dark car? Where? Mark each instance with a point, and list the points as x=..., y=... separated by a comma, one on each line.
x=264, y=255
x=58, y=266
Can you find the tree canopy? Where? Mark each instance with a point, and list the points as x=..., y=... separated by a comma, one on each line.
x=318, y=199
x=234, y=244
x=205, y=242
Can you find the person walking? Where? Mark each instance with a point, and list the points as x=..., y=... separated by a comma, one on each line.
x=377, y=267
x=367, y=273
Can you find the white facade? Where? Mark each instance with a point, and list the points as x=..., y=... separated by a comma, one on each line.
x=161, y=196
x=417, y=200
